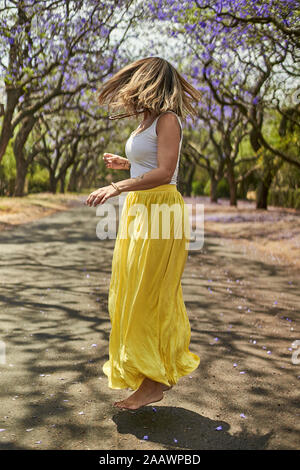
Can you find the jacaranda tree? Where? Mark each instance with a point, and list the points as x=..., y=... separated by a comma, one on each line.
x=48, y=50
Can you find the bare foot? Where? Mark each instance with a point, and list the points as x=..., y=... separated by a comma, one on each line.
x=148, y=392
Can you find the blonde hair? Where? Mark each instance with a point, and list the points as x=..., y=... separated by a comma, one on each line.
x=151, y=84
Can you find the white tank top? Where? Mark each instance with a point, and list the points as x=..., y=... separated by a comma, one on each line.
x=141, y=150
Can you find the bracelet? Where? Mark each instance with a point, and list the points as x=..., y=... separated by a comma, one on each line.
x=116, y=187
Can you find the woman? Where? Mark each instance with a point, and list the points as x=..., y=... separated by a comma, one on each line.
x=150, y=329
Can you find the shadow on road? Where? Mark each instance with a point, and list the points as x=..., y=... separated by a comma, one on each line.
x=54, y=320
x=168, y=424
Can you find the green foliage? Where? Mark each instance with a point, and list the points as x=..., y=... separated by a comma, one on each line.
x=207, y=188
x=284, y=197
x=288, y=176
x=222, y=188
x=7, y=172
x=38, y=181
x=198, y=188
x=297, y=199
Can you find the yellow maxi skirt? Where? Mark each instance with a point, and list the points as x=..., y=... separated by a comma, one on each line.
x=150, y=330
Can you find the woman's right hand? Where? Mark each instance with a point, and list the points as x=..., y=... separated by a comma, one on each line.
x=115, y=162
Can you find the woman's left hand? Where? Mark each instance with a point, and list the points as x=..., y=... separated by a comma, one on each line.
x=101, y=195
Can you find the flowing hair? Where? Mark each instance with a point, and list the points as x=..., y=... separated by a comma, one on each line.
x=151, y=84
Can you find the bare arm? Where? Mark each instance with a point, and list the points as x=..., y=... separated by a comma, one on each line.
x=115, y=162
x=168, y=140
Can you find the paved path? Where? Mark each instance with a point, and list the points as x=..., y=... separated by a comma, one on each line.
x=54, y=278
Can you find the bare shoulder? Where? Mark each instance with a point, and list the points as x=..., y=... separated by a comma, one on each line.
x=168, y=123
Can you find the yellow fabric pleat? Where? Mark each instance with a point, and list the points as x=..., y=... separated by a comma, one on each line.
x=150, y=330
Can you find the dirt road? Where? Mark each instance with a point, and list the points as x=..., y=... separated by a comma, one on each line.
x=244, y=315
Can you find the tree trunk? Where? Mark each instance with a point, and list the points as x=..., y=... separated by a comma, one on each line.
x=72, y=186
x=189, y=181
x=263, y=191
x=22, y=168
x=62, y=183
x=22, y=163
x=213, y=189
x=262, y=196
x=269, y=173
x=242, y=190
x=6, y=128
x=52, y=181
x=232, y=185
